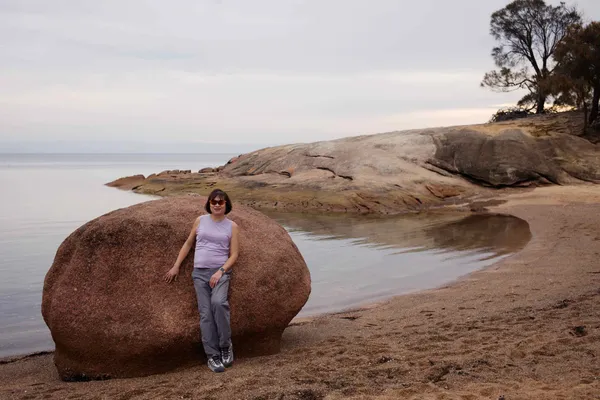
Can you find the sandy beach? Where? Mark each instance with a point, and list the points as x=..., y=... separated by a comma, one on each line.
x=527, y=327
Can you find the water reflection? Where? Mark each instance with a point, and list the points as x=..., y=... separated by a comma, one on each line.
x=359, y=259
x=498, y=234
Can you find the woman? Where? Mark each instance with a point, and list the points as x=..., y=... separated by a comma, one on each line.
x=217, y=245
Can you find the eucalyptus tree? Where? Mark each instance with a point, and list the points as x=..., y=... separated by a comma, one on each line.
x=527, y=32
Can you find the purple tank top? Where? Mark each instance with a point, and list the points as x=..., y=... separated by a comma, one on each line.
x=212, y=242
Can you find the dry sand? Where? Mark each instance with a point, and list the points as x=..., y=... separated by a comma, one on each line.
x=526, y=328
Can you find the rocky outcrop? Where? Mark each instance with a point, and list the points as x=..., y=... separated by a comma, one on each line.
x=174, y=172
x=112, y=315
x=128, y=182
x=483, y=158
x=402, y=171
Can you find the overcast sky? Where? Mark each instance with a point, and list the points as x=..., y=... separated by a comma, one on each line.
x=263, y=72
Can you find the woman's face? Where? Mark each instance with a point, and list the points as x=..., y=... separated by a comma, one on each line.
x=217, y=206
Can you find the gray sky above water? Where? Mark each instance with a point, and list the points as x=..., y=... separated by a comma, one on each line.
x=106, y=75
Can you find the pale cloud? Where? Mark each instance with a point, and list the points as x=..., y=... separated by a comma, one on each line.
x=229, y=71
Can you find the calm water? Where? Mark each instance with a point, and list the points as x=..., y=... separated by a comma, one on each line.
x=359, y=260
x=44, y=199
x=353, y=260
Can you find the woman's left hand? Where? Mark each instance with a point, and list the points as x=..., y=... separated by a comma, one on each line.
x=215, y=279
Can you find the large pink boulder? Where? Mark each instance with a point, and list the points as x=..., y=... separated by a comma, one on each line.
x=112, y=315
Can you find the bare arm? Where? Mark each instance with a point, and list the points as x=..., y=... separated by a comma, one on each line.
x=234, y=251
x=185, y=249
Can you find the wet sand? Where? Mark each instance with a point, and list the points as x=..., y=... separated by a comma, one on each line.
x=527, y=327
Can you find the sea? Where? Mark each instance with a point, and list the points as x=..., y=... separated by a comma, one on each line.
x=353, y=260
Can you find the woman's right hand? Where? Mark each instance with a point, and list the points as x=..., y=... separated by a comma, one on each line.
x=171, y=275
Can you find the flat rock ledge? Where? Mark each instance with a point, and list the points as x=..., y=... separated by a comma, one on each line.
x=396, y=172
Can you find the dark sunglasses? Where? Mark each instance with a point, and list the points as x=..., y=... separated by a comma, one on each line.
x=215, y=202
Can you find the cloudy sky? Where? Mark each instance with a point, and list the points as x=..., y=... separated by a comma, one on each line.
x=176, y=75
